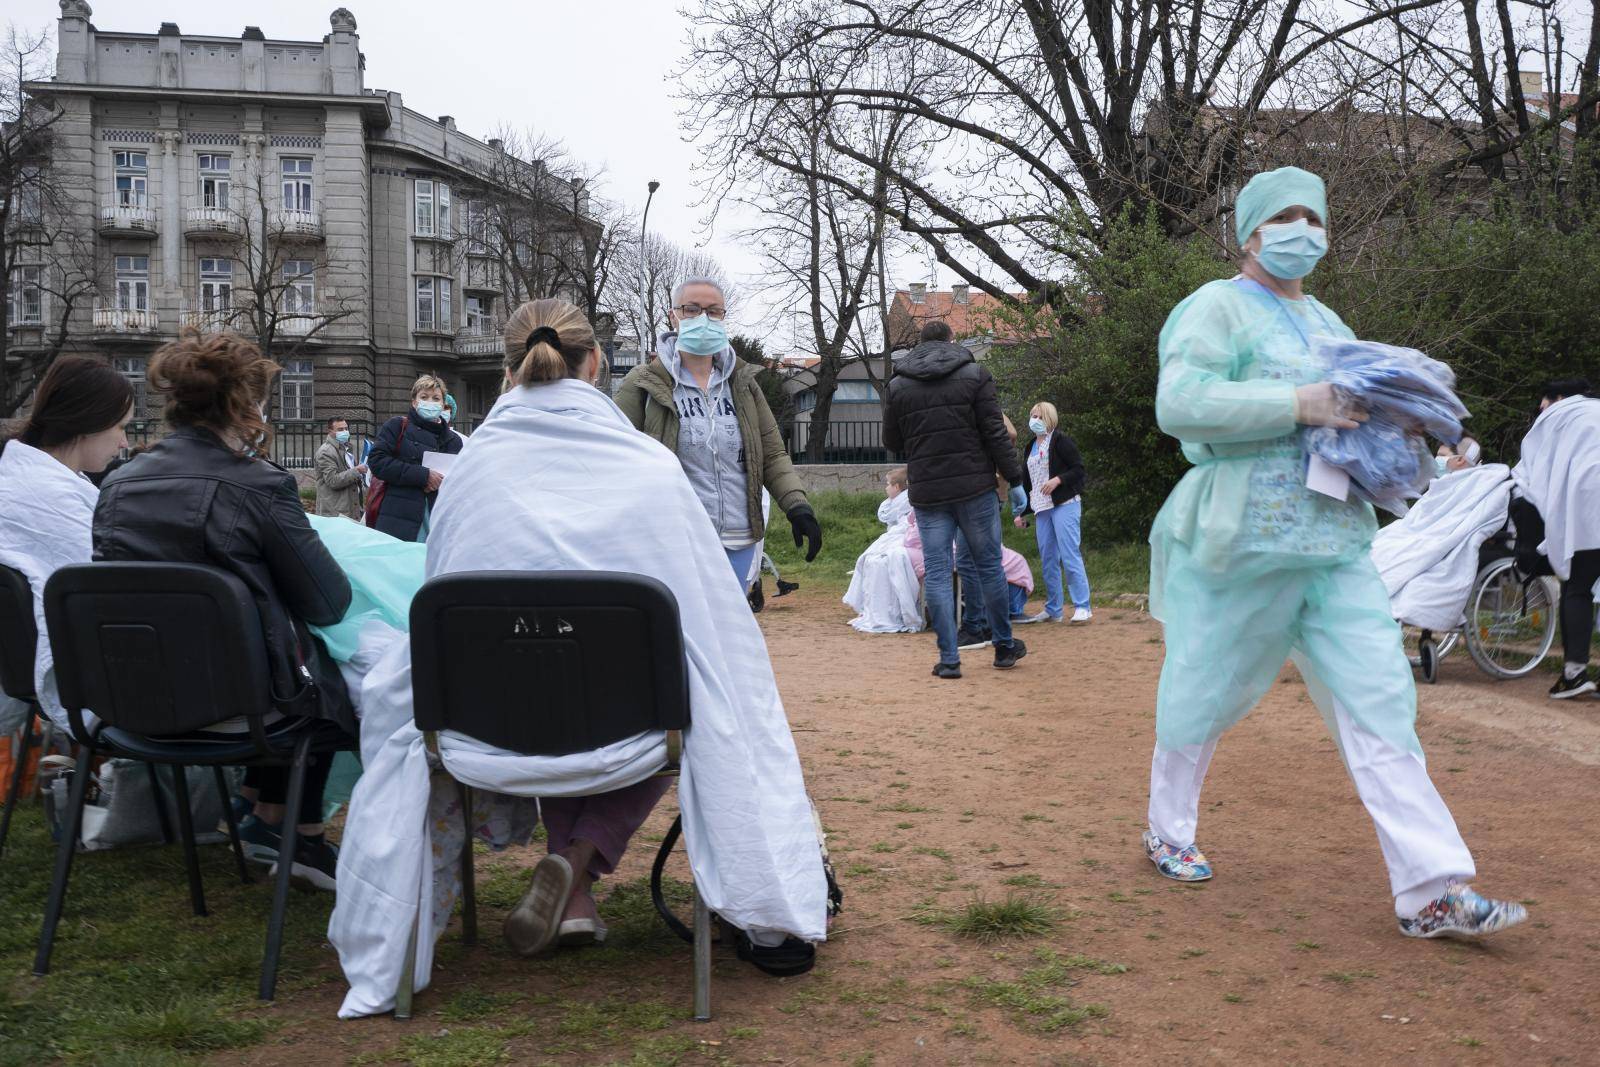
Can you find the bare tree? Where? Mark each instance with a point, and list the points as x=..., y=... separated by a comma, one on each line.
x=646, y=277
x=47, y=266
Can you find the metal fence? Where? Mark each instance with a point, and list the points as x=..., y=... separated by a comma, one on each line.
x=854, y=441
x=294, y=444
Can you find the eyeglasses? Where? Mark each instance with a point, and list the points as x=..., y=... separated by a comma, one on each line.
x=690, y=311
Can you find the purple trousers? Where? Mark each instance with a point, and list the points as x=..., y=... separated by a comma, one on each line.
x=608, y=820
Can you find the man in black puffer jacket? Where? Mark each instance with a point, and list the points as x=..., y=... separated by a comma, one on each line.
x=944, y=415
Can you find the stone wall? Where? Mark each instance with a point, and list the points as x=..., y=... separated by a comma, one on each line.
x=844, y=477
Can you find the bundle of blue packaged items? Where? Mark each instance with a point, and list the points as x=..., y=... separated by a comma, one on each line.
x=1406, y=395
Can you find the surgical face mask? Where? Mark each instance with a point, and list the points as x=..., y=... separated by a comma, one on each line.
x=343, y=437
x=1290, y=250
x=1036, y=425
x=429, y=410
x=702, y=336
x=1441, y=464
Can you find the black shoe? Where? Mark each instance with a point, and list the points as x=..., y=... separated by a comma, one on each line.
x=757, y=598
x=316, y=863
x=1006, y=656
x=792, y=957
x=968, y=639
x=947, y=670
x=1566, y=688
x=785, y=588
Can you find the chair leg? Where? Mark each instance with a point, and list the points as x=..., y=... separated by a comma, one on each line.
x=469, y=873
x=702, y=958
x=233, y=824
x=19, y=767
x=408, y=970
x=280, y=889
x=191, y=855
x=64, y=856
x=158, y=796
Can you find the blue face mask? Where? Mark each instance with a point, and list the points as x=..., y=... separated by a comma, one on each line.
x=702, y=336
x=430, y=410
x=1442, y=465
x=1290, y=250
x=1036, y=425
x=343, y=437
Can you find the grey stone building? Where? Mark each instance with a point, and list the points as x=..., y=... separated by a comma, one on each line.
x=258, y=185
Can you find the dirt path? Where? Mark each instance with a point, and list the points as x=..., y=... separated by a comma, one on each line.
x=1033, y=784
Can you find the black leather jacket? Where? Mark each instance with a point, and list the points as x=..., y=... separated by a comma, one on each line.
x=189, y=499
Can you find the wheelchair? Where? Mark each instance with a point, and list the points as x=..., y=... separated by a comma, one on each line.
x=1510, y=620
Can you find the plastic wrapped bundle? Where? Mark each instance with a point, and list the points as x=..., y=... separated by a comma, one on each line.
x=1405, y=395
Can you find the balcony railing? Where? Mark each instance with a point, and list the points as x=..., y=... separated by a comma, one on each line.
x=214, y=321
x=127, y=216
x=296, y=325
x=482, y=338
x=199, y=219
x=125, y=321
x=298, y=223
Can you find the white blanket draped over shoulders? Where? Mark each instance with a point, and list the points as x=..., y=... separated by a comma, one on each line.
x=884, y=589
x=1560, y=475
x=1429, y=559
x=556, y=478
x=46, y=523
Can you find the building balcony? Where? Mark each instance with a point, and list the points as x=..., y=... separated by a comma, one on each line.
x=480, y=339
x=201, y=221
x=127, y=217
x=296, y=325
x=297, y=224
x=124, y=322
x=215, y=321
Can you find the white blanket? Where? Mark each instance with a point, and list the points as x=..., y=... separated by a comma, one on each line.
x=1429, y=559
x=884, y=590
x=557, y=479
x=46, y=522
x=1560, y=475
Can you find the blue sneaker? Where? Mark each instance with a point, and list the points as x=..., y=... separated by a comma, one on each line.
x=1462, y=913
x=1181, y=865
x=261, y=840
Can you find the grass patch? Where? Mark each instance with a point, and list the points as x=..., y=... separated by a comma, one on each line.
x=987, y=921
x=1034, y=997
x=850, y=523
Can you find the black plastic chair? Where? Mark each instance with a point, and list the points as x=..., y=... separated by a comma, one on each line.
x=157, y=651
x=527, y=662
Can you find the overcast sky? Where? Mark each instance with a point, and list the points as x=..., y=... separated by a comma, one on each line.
x=593, y=74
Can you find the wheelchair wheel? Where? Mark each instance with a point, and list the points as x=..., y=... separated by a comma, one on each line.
x=1443, y=645
x=1511, y=620
x=1428, y=660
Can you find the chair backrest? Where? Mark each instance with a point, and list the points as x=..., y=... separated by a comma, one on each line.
x=19, y=635
x=156, y=648
x=548, y=663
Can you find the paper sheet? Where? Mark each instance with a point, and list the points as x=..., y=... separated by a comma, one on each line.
x=1323, y=477
x=438, y=461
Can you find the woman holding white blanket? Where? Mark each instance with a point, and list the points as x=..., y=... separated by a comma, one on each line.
x=554, y=480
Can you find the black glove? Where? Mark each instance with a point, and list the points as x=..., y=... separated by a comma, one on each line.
x=806, y=530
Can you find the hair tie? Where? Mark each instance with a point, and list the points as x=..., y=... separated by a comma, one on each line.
x=547, y=334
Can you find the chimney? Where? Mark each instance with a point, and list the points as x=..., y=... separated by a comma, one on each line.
x=497, y=144
x=447, y=121
x=961, y=293
x=1532, y=82
x=919, y=292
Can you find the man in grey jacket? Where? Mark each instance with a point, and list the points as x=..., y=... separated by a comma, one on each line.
x=340, y=479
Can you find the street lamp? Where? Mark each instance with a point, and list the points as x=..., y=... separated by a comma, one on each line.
x=646, y=300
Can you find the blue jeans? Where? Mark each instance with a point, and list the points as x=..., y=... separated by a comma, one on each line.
x=740, y=559
x=1057, y=531
x=1019, y=600
x=977, y=519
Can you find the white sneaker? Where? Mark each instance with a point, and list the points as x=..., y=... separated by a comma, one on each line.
x=1082, y=615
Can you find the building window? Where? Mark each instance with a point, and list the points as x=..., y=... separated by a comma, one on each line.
x=425, y=317
x=214, y=179
x=424, y=209
x=444, y=210
x=27, y=295
x=854, y=393
x=477, y=227
x=30, y=196
x=296, y=184
x=216, y=284
x=479, y=314
x=443, y=286
x=132, y=368
x=133, y=178
x=295, y=391
x=133, y=283
x=299, y=289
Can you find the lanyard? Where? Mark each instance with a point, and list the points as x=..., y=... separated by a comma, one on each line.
x=1278, y=302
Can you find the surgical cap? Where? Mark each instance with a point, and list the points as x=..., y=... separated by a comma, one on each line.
x=1272, y=191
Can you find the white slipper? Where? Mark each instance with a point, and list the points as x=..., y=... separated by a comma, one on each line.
x=581, y=932
x=532, y=925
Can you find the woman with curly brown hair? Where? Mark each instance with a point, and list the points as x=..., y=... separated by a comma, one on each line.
x=207, y=494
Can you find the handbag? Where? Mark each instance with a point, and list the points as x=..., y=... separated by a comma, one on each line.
x=379, y=487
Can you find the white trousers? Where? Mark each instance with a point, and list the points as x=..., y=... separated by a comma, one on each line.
x=1421, y=845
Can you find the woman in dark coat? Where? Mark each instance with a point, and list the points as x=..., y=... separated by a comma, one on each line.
x=396, y=460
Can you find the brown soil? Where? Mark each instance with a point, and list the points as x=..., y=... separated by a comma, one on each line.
x=1034, y=783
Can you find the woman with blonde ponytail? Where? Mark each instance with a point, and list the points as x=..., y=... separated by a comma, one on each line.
x=547, y=341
